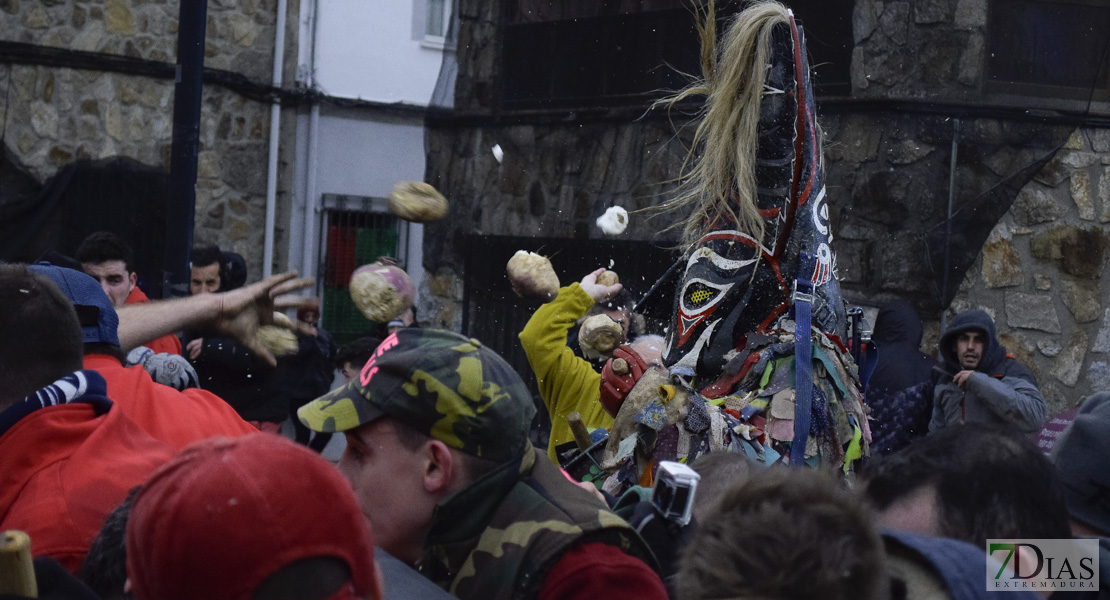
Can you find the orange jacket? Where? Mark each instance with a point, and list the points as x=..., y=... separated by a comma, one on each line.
x=174, y=417
x=64, y=468
x=167, y=343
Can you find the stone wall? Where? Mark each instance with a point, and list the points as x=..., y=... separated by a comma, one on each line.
x=53, y=116
x=551, y=182
x=920, y=49
x=1042, y=274
x=1039, y=272
x=1036, y=267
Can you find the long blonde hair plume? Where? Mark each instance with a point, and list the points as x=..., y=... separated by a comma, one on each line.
x=727, y=136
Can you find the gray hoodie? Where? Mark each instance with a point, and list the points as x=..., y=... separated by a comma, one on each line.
x=999, y=391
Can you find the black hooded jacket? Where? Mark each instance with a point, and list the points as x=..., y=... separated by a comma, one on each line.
x=900, y=391
x=999, y=390
x=898, y=336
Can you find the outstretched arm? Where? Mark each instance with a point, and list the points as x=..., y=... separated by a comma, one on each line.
x=237, y=314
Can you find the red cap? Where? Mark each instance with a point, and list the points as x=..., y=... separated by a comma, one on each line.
x=615, y=387
x=225, y=514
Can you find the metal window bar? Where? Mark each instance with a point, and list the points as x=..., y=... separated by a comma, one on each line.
x=355, y=230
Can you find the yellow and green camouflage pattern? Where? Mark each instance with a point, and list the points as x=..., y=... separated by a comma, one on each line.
x=498, y=538
x=439, y=383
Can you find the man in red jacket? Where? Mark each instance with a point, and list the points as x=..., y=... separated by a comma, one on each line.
x=68, y=455
x=174, y=417
x=109, y=260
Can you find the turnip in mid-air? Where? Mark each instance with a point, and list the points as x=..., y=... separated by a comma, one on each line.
x=532, y=276
x=381, y=290
x=417, y=201
x=614, y=221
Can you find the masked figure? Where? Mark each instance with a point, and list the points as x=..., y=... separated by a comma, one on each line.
x=758, y=230
x=740, y=272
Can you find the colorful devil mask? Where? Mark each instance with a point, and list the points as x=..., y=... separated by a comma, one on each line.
x=733, y=283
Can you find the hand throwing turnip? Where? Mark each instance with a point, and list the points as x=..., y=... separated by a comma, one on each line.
x=278, y=338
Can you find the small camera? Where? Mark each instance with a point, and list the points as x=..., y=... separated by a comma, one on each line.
x=673, y=496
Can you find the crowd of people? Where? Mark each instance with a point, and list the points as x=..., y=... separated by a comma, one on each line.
x=158, y=474
x=751, y=454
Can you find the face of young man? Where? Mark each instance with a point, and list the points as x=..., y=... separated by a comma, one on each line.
x=114, y=279
x=388, y=479
x=969, y=348
x=205, y=280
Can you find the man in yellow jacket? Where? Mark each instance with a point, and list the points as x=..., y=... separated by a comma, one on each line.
x=567, y=382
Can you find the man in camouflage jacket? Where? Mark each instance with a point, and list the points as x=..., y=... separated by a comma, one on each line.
x=438, y=453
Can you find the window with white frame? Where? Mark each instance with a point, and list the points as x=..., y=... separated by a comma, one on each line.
x=437, y=16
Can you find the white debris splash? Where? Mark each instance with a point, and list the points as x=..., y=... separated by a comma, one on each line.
x=614, y=221
x=498, y=153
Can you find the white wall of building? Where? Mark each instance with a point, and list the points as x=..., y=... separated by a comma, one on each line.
x=364, y=157
x=375, y=50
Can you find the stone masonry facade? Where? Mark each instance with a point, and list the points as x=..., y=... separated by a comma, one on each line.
x=53, y=116
x=1040, y=272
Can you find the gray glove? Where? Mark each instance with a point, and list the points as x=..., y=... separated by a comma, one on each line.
x=167, y=369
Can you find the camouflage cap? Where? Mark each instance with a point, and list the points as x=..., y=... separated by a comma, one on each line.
x=446, y=386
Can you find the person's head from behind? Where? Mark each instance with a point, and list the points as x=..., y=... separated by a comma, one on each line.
x=99, y=323
x=720, y=471
x=105, y=257
x=406, y=319
x=970, y=483
x=351, y=356
x=790, y=534
x=42, y=336
x=1082, y=458
x=105, y=566
x=430, y=413
x=650, y=348
x=223, y=521
x=204, y=276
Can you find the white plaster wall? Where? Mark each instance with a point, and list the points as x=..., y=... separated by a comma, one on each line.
x=370, y=49
x=365, y=158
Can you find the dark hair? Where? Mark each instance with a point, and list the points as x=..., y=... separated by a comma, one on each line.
x=233, y=271
x=622, y=300
x=105, y=566
x=989, y=483
x=719, y=471
x=357, y=352
x=312, y=578
x=42, y=338
x=104, y=246
x=204, y=255
x=785, y=533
